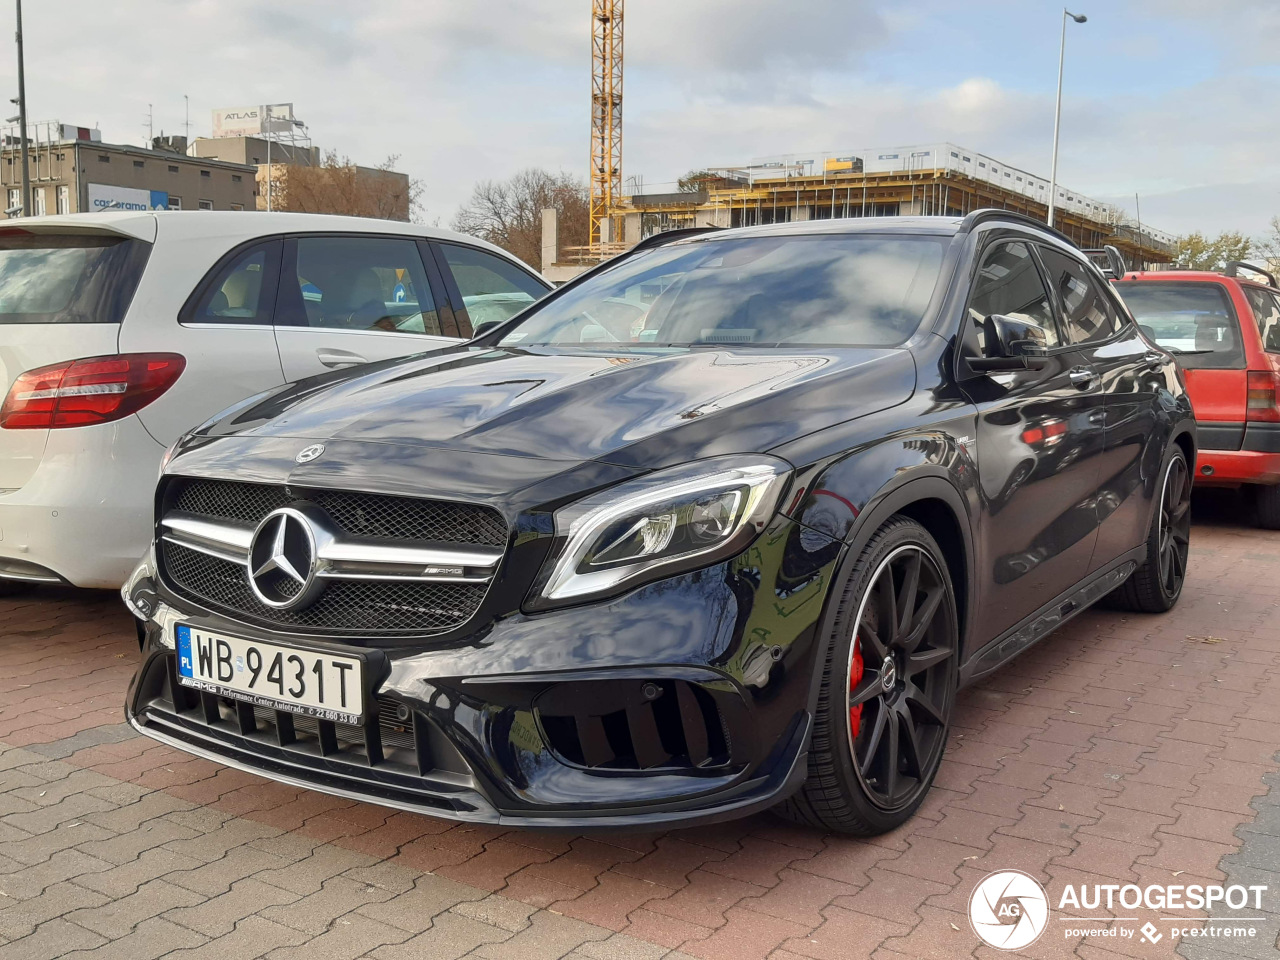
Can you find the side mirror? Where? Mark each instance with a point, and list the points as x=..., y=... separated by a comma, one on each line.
x=1012, y=344
x=484, y=327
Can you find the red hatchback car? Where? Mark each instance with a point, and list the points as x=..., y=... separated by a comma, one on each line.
x=1225, y=331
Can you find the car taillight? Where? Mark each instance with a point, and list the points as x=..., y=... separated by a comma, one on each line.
x=1264, y=396
x=93, y=390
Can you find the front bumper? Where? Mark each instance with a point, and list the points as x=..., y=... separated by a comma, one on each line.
x=686, y=700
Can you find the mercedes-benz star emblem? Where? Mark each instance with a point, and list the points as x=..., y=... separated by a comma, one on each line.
x=307, y=454
x=282, y=560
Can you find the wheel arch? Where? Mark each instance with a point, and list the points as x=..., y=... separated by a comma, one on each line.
x=936, y=504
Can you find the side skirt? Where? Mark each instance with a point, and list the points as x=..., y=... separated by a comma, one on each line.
x=1048, y=618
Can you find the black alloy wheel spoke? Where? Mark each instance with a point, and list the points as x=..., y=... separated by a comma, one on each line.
x=913, y=761
x=907, y=596
x=923, y=619
x=914, y=695
x=869, y=636
x=922, y=660
x=866, y=689
x=873, y=739
x=889, y=766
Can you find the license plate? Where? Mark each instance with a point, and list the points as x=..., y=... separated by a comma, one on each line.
x=321, y=685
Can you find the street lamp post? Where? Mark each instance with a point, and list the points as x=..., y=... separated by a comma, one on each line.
x=1057, y=112
x=22, y=121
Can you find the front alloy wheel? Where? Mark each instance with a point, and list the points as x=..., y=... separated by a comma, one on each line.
x=887, y=690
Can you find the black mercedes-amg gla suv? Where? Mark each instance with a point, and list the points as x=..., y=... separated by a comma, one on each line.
x=721, y=525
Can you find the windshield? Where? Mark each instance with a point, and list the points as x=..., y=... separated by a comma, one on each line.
x=68, y=278
x=1193, y=320
x=766, y=291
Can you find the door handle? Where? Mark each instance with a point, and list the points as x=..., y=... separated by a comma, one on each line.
x=339, y=358
x=1082, y=378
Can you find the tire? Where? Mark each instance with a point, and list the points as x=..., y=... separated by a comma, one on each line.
x=1266, y=503
x=1156, y=585
x=865, y=775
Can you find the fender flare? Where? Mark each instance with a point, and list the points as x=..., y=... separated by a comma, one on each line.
x=889, y=500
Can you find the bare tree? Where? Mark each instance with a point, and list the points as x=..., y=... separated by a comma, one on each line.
x=339, y=186
x=509, y=212
x=1267, y=246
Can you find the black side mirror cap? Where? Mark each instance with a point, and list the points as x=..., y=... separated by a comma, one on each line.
x=1012, y=344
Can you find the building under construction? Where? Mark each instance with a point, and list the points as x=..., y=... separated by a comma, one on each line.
x=940, y=179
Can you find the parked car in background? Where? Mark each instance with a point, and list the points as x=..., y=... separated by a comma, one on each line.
x=584, y=570
x=120, y=331
x=1224, y=328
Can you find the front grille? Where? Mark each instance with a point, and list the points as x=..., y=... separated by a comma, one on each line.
x=364, y=606
x=634, y=724
x=359, y=514
x=396, y=755
x=345, y=605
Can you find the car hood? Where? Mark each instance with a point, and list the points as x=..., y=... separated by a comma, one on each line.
x=638, y=408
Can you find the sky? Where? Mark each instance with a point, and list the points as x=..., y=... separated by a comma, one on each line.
x=1171, y=99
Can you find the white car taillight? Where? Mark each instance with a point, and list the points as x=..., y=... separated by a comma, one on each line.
x=92, y=390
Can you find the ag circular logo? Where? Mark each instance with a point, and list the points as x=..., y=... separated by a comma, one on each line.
x=1009, y=910
x=307, y=454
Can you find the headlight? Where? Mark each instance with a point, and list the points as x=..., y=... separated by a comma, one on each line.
x=169, y=452
x=677, y=519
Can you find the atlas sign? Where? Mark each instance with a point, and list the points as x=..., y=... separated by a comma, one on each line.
x=252, y=121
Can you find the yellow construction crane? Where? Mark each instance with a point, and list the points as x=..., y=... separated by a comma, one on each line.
x=606, y=118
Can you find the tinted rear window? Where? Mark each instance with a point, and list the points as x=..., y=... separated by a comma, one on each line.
x=1195, y=321
x=68, y=278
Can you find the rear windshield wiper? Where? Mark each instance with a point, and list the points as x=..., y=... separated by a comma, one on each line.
x=1187, y=353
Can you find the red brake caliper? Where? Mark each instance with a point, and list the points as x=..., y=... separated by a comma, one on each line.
x=855, y=677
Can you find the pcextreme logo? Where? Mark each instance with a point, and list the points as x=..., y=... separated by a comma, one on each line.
x=1009, y=910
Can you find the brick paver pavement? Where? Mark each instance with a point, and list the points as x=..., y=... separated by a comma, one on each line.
x=1123, y=749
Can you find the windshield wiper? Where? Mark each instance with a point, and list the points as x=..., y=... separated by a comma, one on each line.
x=1186, y=353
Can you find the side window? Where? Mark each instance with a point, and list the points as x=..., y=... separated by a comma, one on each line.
x=243, y=290
x=1266, y=311
x=492, y=288
x=361, y=283
x=1086, y=314
x=1009, y=284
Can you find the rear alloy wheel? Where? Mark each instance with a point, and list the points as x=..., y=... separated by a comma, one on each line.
x=887, y=688
x=1156, y=585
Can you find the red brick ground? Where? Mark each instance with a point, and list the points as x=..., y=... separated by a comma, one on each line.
x=1124, y=748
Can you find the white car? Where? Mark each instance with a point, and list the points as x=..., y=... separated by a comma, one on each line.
x=118, y=332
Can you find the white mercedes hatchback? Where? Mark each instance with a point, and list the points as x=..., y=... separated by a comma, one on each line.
x=118, y=332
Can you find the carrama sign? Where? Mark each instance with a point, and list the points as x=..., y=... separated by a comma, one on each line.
x=104, y=196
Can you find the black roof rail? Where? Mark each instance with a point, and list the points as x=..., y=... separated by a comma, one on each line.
x=1116, y=266
x=986, y=214
x=1234, y=267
